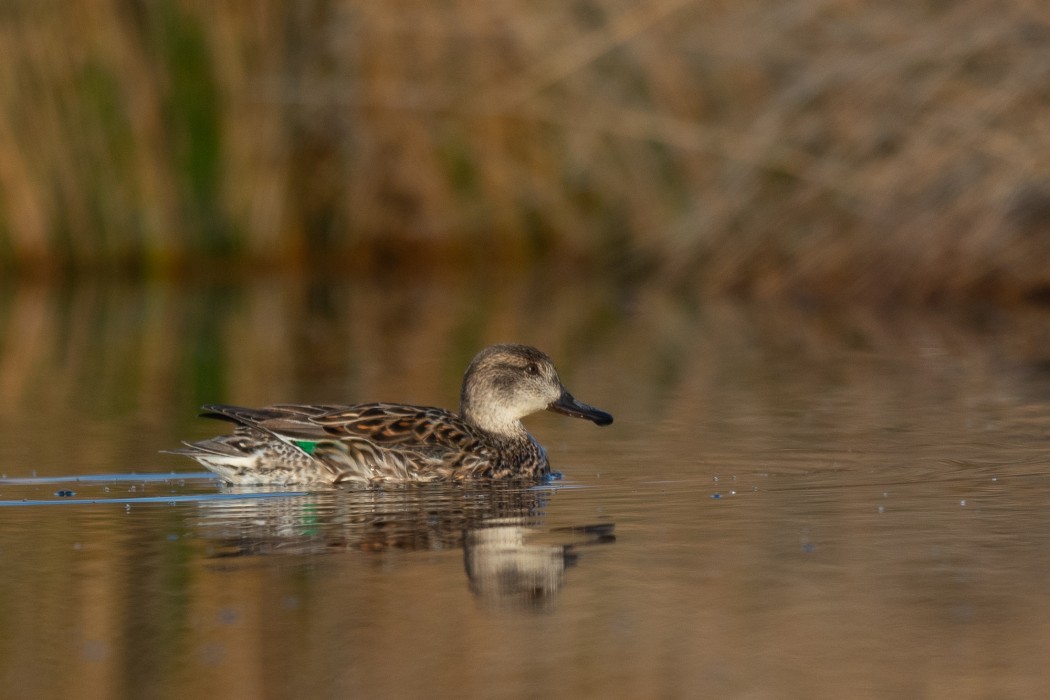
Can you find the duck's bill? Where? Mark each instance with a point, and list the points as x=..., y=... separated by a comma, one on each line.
x=569, y=406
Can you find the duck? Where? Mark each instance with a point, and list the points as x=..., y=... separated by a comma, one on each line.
x=390, y=443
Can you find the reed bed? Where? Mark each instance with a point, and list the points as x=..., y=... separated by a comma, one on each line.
x=820, y=148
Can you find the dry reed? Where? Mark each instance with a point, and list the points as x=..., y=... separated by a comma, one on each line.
x=821, y=147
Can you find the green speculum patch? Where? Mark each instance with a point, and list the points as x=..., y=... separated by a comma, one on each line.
x=306, y=446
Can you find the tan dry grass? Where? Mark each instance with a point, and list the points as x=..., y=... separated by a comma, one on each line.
x=820, y=147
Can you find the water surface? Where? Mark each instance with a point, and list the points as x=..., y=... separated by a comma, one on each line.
x=791, y=503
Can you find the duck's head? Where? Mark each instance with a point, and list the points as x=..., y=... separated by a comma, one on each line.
x=505, y=383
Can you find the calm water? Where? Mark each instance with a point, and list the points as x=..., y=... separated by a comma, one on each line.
x=790, y=503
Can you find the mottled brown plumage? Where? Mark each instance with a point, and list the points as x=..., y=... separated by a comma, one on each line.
x=385, y=442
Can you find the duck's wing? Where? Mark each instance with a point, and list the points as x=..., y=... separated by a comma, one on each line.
x=365, y=443
x=271, y=445
x=395, y=442
x=385, y=424
x=285, y=421
x=394, y=426
x=251, y=456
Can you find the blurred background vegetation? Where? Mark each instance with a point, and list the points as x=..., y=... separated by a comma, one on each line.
x=819, y=148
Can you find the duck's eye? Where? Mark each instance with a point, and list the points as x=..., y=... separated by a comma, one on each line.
x=531, y=368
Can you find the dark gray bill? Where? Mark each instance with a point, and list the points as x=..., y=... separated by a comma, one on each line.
x=569, y=406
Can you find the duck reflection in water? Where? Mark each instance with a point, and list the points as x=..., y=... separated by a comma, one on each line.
x=503, y=568
x=493, y=523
